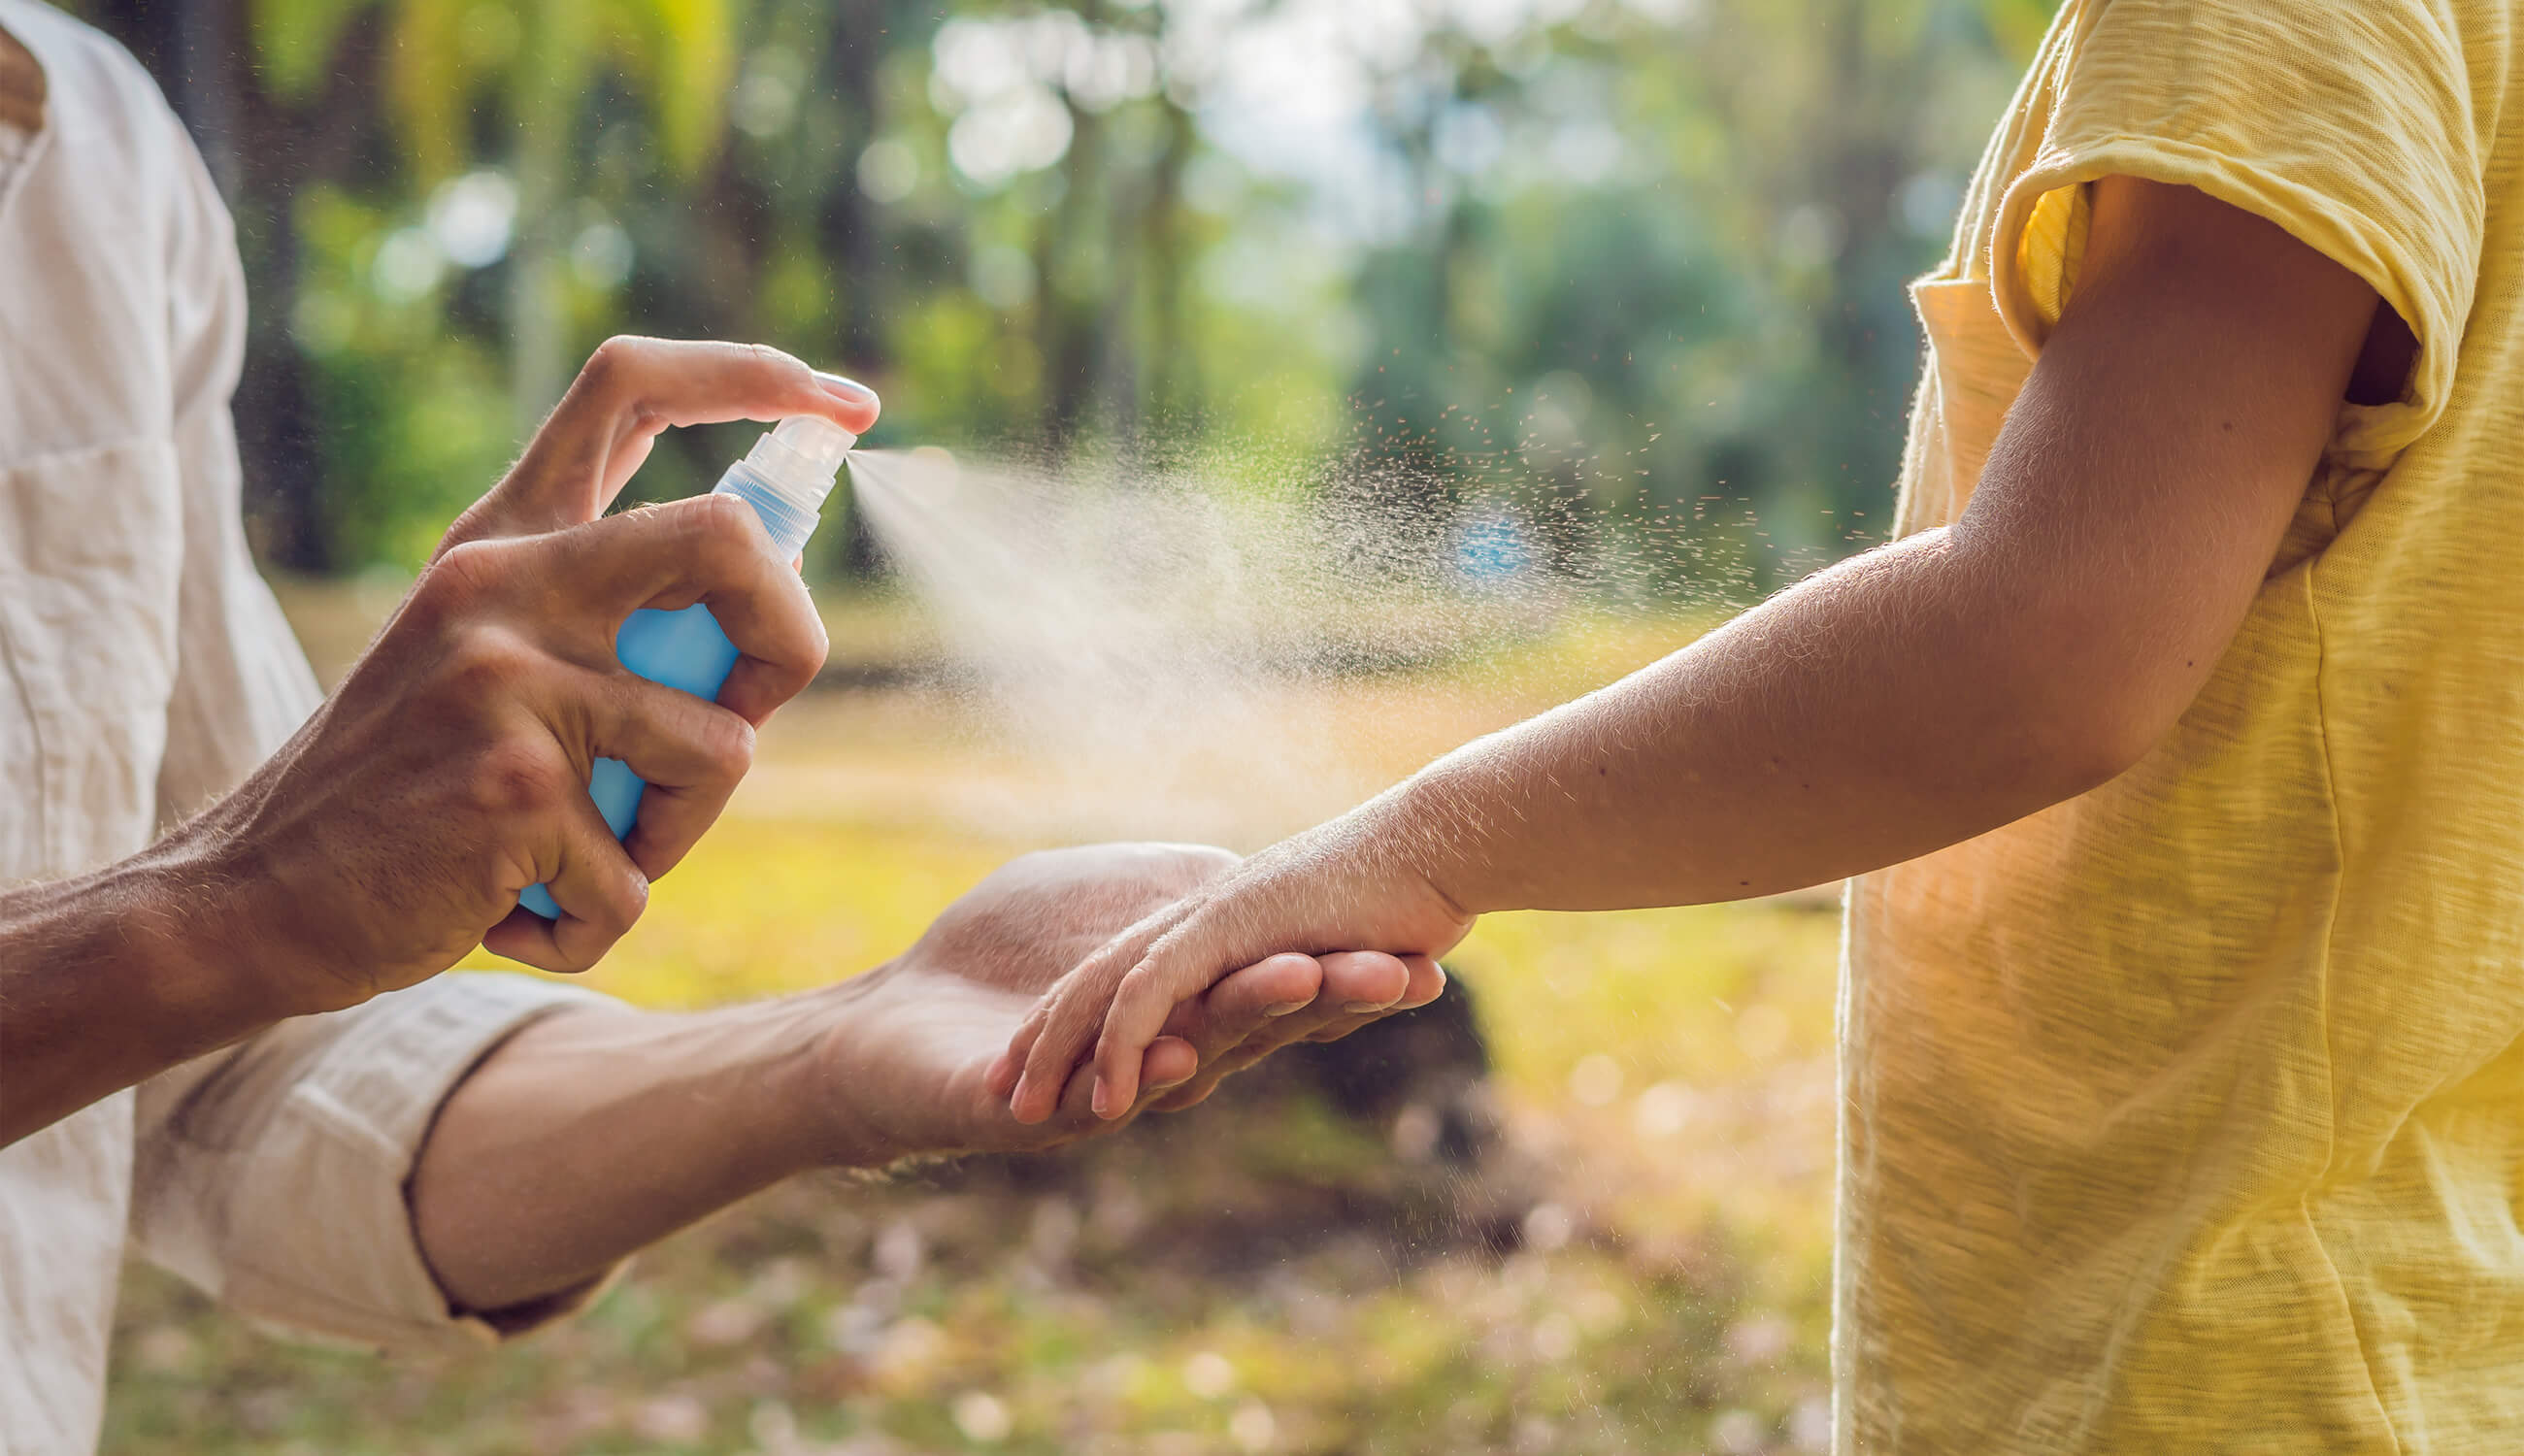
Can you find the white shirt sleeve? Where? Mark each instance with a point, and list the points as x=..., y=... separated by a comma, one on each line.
x=272, y=1175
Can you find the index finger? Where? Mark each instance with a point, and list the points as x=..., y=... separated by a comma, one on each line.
x=633, y=388
x=1180, y=963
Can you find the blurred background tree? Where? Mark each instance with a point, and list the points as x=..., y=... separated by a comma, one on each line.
x=1578, y=261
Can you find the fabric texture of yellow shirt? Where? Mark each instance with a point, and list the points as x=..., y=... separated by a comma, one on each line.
x=2188, y=1115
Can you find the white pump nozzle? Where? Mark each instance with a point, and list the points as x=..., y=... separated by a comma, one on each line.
x=800, y=456
x=788, y=474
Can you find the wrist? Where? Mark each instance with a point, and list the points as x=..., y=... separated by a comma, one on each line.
x=222, y=903
x=188, y=938
x=833, y=1080
x=1425, y=831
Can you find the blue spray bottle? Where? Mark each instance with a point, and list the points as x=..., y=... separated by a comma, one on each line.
x=785, y=479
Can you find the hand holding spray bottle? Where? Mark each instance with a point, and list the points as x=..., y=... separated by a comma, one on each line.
x=785, y=479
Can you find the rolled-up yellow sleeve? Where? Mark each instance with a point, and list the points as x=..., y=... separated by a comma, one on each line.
x=2350, y=123
x=272, y=1174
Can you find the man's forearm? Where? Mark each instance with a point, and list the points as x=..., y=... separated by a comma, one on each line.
x=594, y=1133
x=112, y=976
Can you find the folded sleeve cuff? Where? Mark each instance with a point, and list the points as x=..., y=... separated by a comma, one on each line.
x=277, y=1180
x=2028, y=267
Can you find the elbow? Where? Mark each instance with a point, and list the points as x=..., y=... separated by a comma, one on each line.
x=2082, y=684
x=2079, y=756
x=2083, y=672
x=2084, y=724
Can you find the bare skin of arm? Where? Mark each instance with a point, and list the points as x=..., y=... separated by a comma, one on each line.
x=391, y=835
x=1904, y=700
x=591, y=1134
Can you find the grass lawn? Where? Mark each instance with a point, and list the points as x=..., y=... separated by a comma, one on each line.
x=1263, y=1275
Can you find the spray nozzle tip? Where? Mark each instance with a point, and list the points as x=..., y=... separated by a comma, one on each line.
x=818, y=442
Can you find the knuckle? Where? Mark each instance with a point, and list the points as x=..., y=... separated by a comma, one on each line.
x=494, y=877
x=610, y=360
x=623, y=906
x=786, y=368
x=725, y=532
x=512, y=780
x=618, y=900
x=457, y=581
x=727, y=744
x=488, y=662
x=476, y=521
x=580, y=959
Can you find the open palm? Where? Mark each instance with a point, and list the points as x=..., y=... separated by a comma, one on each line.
x=924, y=1028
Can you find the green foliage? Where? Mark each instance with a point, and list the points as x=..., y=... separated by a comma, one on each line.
x=685, y=51
x=434, y=416
x=2018, y=25
x=1628, y=259
x=447, y=56
x=295, y=40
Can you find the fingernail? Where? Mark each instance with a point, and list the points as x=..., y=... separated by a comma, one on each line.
x=1284, y=1008
x=845, y=389
x=1103, y=1095
x=1361, y=1009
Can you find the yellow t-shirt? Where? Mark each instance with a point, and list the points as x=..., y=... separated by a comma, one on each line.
x=2188, y=1115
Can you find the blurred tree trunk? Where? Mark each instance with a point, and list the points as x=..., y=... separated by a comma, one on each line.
x=1068, y=306
x=260, y=154
x=1172, y=378
x=846, y=231
x=1864, y=160
x=733, y=213
x=847, y=225
x=548, y=84
x=1880, y=76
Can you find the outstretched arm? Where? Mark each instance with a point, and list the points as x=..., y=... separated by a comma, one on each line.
x=1904, y=700
x=593, y=1133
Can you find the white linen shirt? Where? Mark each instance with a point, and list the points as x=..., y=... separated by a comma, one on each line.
x=144, y=669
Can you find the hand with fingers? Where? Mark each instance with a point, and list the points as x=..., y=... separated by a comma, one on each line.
x=1342, y=887
x=593, y=1133
x=450, y=769
x=908, y=1056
